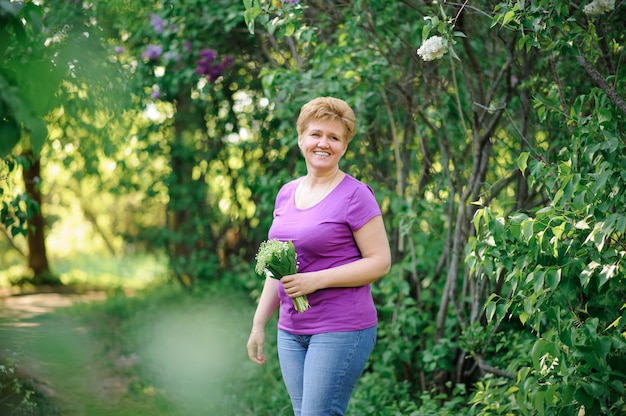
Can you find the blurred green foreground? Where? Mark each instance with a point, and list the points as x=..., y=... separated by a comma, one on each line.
x=155, y=350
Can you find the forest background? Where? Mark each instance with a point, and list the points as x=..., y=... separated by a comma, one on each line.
x=155, y=135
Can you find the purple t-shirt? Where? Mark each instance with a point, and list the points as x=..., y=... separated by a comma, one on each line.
x=322, y=236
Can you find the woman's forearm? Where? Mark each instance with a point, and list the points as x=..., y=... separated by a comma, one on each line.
x=375, y=262
x=267, y=304
x=357, y=273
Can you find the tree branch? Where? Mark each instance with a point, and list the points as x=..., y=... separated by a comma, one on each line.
x=601, y=83
x=12, y=243
x=493, y=370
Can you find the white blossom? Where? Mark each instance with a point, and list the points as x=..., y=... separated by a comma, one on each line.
x=432, y=48
x=598, y=7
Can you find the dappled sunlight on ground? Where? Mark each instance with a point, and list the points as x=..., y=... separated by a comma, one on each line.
x=17, y=310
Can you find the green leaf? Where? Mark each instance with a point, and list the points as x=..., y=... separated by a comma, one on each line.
x=476, y=220
x=615, y=323
x=553, y=278
x=508, y=17
x=38, y=134
x=601, y=180
x=539, y=403
x=607, y=273
x=594, y=389
x=523, y=317
x=559, y=230
x=538, y=350
x=538, y=280
x=9, y=135
x=527, y=229
x=490, y=311
x=289, y=29
x=453, y=53
x=586, y=274
x=522, y=162
x=557, y=197
x=250, y=14
x=597, y=236
x=582, y=225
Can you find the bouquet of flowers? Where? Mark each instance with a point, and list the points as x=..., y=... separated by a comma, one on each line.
x=277, y=259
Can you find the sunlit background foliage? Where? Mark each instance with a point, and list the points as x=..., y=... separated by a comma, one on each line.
x=145, y=141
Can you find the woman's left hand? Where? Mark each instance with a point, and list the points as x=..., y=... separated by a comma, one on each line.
x=299, y=284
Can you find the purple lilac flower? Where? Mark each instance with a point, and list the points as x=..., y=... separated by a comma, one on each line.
x=207, y=55
x=157, y=23
x=152, y=52
x=219, y=68
x=207, y=65
x=291, y=1
x=156, y=94
x=119, y=50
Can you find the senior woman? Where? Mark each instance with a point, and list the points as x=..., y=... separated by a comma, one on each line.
x=336, y=226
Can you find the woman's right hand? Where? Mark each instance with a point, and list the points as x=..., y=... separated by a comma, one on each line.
x=255, y=346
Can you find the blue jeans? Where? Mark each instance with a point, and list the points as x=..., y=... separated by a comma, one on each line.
x=320, y=371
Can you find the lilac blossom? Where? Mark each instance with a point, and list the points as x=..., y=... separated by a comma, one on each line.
x=598, y=7
x=291, y=1
x=157, y=23
x=432, y=48
x=119, y=50
x=207, y=56
x=152, y=52
x=156, y=94
x=207, y=65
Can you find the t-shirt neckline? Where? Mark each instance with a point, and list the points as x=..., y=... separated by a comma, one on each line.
x=293, y=196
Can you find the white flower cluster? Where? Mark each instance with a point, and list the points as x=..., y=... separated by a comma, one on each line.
x=598, y=7
x=432, y=48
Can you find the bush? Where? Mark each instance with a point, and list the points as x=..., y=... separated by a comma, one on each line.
x=16, y=395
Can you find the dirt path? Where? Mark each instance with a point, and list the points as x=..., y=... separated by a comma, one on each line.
x=20, y=309
x=62, y=359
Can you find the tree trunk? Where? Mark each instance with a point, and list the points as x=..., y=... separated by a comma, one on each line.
x=37, y=255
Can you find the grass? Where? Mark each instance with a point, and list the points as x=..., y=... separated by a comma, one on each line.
x=89, y=271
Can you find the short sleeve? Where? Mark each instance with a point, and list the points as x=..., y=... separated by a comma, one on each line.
x=362, y=207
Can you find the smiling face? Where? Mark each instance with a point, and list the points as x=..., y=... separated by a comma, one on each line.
x=323, y=144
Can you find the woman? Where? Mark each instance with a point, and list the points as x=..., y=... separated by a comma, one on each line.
x=338, y=232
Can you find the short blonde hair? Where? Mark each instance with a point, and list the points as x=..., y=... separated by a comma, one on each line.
x=327, y=108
